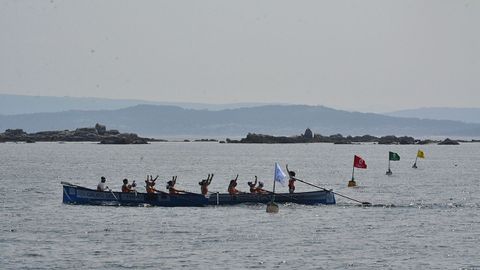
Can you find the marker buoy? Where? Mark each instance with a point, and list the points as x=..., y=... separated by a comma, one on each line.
x=272, y=208
x=352, y=183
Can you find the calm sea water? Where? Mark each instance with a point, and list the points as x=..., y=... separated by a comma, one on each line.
x=428, y=218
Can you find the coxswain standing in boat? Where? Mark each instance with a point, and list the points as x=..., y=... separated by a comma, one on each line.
x=232, y=187
x=205, y=183
x=101, y=186
x=171, y=186
x=126, y=187
x=252, y=185
x=291, y=181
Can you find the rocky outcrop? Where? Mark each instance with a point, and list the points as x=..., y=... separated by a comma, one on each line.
x=14, y=132
x=317, y=138
x=422, y=142
x=206, y=140
x=97, y=134
x=101, y=129
x=125, y=138
x=308, y=134
x=396, y=140
x=448, y=141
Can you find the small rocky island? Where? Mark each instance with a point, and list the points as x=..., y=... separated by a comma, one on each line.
x=99, y=133
x=309, y=137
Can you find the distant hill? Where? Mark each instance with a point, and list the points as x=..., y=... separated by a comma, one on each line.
x=159, y=120
x=468, y=115
x=19, y=104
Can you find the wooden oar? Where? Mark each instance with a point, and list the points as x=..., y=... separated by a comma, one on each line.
x=188, y=192
x=336, y=193
x=114, y=195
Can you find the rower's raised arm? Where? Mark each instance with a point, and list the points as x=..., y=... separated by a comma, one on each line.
x=236, y=178
x=255, y=180
x=210, y=180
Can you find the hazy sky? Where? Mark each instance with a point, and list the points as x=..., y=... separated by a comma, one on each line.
x=357, y=55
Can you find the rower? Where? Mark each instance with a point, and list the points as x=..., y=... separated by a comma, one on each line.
x=150, y=187
x=126, y=187
x=291, y=180
x=150, y=180
x=259, y=189
x=101, y=186
x=232, y=190
x=150, y=184
x=171, y=186
x=133, y=186
x=205, y=183
x=252, y=185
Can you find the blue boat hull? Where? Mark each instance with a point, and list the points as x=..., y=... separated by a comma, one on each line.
x=80, y=195
x=309, y=198
x=73, y=194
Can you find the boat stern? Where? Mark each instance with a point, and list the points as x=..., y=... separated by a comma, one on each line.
x=330, y=197
x=69, y=194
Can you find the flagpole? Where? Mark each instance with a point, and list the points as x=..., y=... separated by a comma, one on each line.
x=274, y=189
x=389, y=172
x=353, y=171
x=271, y=206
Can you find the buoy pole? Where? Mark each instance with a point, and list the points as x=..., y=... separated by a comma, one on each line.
x=272, y=207
x=352, y=182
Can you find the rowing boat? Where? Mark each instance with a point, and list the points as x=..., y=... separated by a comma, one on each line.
x=73, y=194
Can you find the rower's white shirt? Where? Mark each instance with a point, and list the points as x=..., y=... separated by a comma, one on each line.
x=101, y=186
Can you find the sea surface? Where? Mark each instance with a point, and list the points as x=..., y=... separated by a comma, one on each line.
x=425, y=218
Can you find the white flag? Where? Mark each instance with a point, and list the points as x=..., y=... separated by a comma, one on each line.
x=280, y=176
